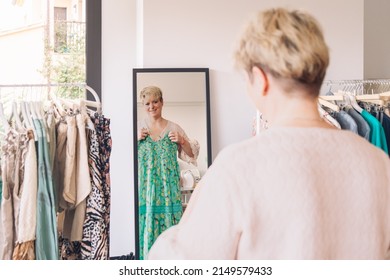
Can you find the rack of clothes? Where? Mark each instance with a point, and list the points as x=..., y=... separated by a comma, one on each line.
x=55, y=173
x=361, y=106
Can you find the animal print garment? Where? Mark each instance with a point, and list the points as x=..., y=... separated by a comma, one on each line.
x=95, y=242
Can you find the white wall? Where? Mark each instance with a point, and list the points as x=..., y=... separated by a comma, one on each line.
x=199, y=33
x=118, y=51
x=376, y=39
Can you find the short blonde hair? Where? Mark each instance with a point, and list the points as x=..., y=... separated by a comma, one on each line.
x=286, y=44
x=151, y=91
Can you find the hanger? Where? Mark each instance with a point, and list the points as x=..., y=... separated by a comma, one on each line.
x=332, y=97
x=345, y=96
x=37, y=108
x=69, y=104
x=31, y=108
x=26, y=117
x=326, y=115
x=3, y=118
x=330, y=89
x=328, y=104
x=378, y=99
x=28, y=123
x=351, y=100
x=31, y=116
x=96, y=104
x=341, y=95
x=83, y=109
x=57, y=103
x=16, y=116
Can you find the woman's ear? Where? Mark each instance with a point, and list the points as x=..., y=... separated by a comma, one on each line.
x=260, y=80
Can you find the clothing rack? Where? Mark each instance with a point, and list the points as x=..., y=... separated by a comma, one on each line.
x=357, y=81
x=359, y=87
x=39, y=110
x=374, y=91
x=96, y=103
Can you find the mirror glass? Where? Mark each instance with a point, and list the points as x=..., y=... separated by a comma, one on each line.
x=172, y=146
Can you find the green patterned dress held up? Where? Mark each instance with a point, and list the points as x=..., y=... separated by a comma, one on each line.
x=159, y=191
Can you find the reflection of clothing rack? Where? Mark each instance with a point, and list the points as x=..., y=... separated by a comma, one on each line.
x=67, y=168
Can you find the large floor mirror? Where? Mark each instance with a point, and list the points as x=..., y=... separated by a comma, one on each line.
x=172, y=146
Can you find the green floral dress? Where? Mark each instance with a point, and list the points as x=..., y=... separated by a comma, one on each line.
x=159, y=191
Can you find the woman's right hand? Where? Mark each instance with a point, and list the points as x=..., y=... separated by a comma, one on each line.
x=142, y=134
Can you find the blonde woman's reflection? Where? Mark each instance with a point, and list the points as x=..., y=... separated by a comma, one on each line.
x=160, y=142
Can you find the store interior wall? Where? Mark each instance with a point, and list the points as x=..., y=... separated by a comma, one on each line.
x=376, y=39
x=118, y=60
x=198, y=33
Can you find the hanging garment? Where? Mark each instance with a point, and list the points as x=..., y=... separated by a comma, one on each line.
x=59, y=165
x=362, y=125
x=328, y=118
x=20, y=157
x=386, y=127
x=377, y=136
x=29, y=215
x=59, y=174
x=69, y=192
x=51, y=124
x=51, y=127
x=75, y=216
x=94, y=224
x=1, y=228
x=82, y=179
x=95, y=243
x=159, y=192
x=14, y=151
x=1, y=188
x=104, y=137
x=68, y=195
x=25, y=245
x=10, y=201
x=47, y=237
x=7, y=220
x=346, y=121
x=93, y=174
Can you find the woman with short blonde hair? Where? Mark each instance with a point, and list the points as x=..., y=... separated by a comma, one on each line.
x=302, y=189
x=288, y=45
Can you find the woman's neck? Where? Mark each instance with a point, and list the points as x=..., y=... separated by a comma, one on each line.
x=297, y=112
x=158, y=121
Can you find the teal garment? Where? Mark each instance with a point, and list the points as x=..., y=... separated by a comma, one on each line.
x=377, y=134
x=46, y=243
x=159, y=190
x=52, y=145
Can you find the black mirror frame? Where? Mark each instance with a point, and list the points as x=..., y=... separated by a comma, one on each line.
x=135, y=129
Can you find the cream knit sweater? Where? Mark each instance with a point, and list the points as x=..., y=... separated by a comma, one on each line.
x=289, y=193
